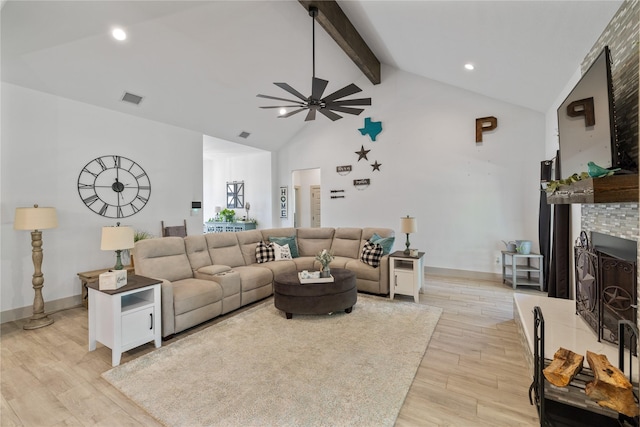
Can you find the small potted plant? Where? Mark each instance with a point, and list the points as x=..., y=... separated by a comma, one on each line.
x=138, y=235
x=228, y=214
x=324, y=257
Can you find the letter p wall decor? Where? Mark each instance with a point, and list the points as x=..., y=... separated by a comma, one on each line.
x=485, y=124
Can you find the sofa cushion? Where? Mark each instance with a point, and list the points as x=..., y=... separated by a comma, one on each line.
x=281, y=252
x=367, y=234
x=385, y=242
x=278, y=267
x=346, y=242
x=371, y=254
x=162, y=258
x=190, y=294
x=265, y=252
x=197, y=251
x=313, y=240
x=254, y=276
x=224, y=249
x=289, y=240
x=248, y=240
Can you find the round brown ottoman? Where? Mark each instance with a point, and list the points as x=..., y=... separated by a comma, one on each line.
x=292, y=297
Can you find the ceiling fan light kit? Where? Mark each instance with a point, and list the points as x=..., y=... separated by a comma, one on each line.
x=315, y=103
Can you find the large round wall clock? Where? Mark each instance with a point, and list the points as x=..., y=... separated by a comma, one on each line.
x=114, y=186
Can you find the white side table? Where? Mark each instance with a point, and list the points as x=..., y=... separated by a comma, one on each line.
x=125, y=318
x=521, y=271
x=406, y=274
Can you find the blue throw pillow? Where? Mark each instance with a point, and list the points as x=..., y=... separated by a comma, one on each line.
x=385, y=242
x=291, y=241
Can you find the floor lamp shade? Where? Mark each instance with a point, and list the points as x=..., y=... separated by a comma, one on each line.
x=117, y=239
x=36, y=219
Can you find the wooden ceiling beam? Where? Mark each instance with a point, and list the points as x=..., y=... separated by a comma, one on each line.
x=335, y=22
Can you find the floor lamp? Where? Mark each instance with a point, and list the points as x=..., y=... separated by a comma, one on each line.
x=36, y=219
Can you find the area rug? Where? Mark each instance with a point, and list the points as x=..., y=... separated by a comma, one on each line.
x=259, y=369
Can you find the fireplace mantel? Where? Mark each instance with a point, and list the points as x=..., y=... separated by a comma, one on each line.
x=611, y=189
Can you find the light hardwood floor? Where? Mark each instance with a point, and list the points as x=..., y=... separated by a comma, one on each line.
x=473, y=372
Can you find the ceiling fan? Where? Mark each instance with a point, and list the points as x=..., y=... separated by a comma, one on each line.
x=316, y=103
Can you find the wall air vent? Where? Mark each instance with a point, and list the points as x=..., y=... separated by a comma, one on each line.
x=131, y=98
x=244, y=134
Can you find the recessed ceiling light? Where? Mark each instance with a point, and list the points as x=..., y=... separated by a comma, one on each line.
x=469, y=66
x=283, y=111
x=119, y=34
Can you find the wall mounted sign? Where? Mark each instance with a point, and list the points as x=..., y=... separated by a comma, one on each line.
x=583, y=107
x=362, y=154
x=371, y=128
x=283, y=202
x=343, y=170
x=114, y=186
x=361, y=184
x=485, y=124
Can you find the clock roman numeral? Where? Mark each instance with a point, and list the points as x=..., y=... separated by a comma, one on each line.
x=81, y=185
x=117, y=161
x=88, y=171
x=140, y=176
x=90, y=200
x=144, y=187
x=134, y=208
x=101, y=163
x=103, y=209
x=119, y=213
x=142, y=199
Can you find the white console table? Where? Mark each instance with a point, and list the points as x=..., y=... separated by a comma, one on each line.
x=125, y=318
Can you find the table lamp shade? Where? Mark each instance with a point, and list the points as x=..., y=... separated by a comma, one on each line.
x=116, y=238
x=408, y=225
x=35, y=218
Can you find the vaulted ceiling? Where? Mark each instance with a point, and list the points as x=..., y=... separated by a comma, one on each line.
x=200, y=64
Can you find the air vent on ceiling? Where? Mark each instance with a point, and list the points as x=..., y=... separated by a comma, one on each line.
x=131, y=98
x=244, y=134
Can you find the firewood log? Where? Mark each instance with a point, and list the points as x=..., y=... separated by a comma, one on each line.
x=565, y=365
x=610, y=387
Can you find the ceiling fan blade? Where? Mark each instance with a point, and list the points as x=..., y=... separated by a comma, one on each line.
x=284, y=106
x=330, y=114
x=317, y=87
x=347, y=110
x=311, y=115
x=340, y=93
x=291, y=113
x=359, y=101
x=279, y=99
x=291, y=90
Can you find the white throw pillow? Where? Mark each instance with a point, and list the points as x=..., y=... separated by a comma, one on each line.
x=282, y=252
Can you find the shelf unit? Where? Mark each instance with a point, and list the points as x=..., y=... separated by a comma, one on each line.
x=609, y=189
x=516, y=273
x=125, y=318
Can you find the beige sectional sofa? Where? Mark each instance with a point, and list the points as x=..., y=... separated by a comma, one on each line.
x=207, y=275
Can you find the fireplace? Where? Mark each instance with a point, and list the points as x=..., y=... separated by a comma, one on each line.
x=606, y=284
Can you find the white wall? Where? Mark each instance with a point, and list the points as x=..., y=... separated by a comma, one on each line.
x=46, y=140
x=255, y=170
x=467, y=197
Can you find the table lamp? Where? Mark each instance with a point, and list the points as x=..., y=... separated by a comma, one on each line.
x=117, y=239
x=408, y=225
x=36, y=219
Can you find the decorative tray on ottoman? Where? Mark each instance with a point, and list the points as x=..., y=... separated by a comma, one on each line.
x=313, y=277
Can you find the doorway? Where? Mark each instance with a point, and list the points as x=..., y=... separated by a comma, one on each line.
x=315, y=206
x=307, y=213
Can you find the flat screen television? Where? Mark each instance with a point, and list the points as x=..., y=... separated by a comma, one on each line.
x=586, y=121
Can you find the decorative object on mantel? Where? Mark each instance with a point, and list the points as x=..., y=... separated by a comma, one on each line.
x=376, y=166
x=362, y=154
x=117, y=239
x=362, y=183
x=283, y=202
x=315, y=102
x=371, y=128
x=343, y=170
x=485, y=124
x=596, y=171
x=408, y=225
x=324, y=257
x=36, y=219
x=247, y=206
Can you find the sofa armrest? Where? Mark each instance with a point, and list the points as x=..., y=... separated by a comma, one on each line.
x=207, y=272
x=168, y=313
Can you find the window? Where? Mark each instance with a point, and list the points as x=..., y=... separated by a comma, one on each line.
x=235, y=194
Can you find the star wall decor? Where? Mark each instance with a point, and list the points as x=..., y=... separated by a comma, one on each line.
x=376, y=166
x=371, y=128
x=362, y=154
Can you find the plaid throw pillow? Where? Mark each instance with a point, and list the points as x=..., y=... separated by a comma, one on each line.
x=371, y=254
x=265, y=252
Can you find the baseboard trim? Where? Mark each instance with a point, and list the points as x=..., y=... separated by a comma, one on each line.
x=464, y=274
x=50, y=307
